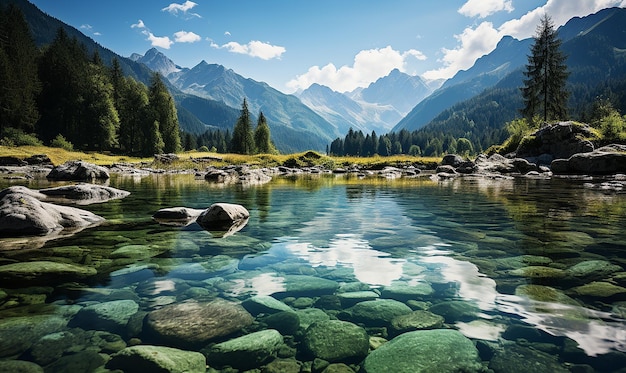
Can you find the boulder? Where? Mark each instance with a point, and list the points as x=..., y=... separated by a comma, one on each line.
x=264, y=304
x=108, y=316
x=453, y=160
x=416, y=320
x=78, y=170
x=603, y=161
x=306, y=286
x=589, y=270
x=378, y=312
x=403, y=292
x=455, y=310
x=196, y=323
x=247, y=352
x=335, y=340
x=560, y=140
x=84, y=194
x=22, y=213
x=513, y=358
x=221, y=216
x=18, y=334
x=441, y=350
x=19, y=366
x=176, y=216
x=146, y=358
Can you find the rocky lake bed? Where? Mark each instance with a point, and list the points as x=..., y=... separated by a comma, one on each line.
x=499, y=264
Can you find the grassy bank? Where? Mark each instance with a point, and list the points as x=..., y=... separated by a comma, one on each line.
x=190, y=160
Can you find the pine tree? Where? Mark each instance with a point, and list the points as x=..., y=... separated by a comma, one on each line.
x=544, y=90
x=262, y=137
x=163, y=111
x=18, y=72
x=242, y=141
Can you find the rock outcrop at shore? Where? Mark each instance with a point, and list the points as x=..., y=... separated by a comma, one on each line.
x=84, y=194
x=78, y=171
x=23, y=213
x=607, y=160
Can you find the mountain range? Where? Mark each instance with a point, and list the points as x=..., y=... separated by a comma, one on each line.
x=485, y=95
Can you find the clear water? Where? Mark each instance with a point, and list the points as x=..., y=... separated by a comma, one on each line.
x=465, y=238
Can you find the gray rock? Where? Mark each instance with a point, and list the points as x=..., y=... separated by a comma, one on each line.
x=561, y=140
x=264, y=304
x=83, y=361
x=197, y=323
x=21, y=213
x=311, y=315
x=108, y=316
x=286, y=322
x=453, y=160
x=78, y=170
x=378, y=312
x=603, y=161
x=442, y=350
x=247, y=352
x=85, y=194
x=221, y=216
x=176, y=216
x=145, y=358
x=335, y=340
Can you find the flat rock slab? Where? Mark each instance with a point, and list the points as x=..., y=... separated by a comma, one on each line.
x=176, y=216
x=84, y=194
x=378, y=312
x=44, y=271
x=197, y=323
x=23, y=214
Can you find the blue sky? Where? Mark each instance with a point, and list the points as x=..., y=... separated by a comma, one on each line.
x=291, y=44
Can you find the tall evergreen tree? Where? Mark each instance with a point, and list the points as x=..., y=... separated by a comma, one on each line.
x=18, y=72
x=163, y=111
x=132, y=108
x=544, y=90
x=262, y=137
x=242, y=141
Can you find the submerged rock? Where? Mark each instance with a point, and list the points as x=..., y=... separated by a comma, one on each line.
x=593, y=269
x=378, y=312
x=145, y=358
x=441, y=350
x=18, y=334
x=265, y=304
x=109, y=316
x=517, y=359
x=44, y=271
x=335, y=340
x=600, y=289
x=196, y=323
x=78, y=170
x=416, y=320
x=307, y=286
x=247, y=352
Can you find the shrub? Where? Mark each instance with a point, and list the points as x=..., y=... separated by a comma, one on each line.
x=203, y=149
x=17, y=137
x=61, y=142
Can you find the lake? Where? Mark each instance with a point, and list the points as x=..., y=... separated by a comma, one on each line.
x=529, y=270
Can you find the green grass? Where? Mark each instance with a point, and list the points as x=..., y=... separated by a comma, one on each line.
x=186, y=159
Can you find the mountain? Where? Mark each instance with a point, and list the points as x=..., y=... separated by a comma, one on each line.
x=509, y=55
x=596, y=51
x=377, y=107
x=157, y=61
x=293, y=125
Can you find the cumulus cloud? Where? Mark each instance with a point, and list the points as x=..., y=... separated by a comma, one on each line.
x=477, y=41
x=186, y=37
x=255, y=48
x=485, y=8
x=159, y=41
x=183, y=8
x=368, y=66
x=139, y=24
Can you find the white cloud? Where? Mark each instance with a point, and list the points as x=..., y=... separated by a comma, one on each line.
x=485, y=8
x=227, y=33
x=255, y=48
x=86, y=27
x=139, y=24
x=368, y=66
x=184, y=8
x=159, y=41
x=186, y=37
x=481, y=40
